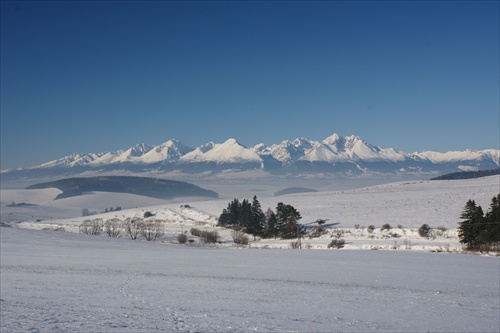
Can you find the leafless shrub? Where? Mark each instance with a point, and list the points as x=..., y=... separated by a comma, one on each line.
x=295, y=245
x=370, y=228
x=195, y=232
x=336, y=244
x=132, y=227
x=113, y=227
x=206, y=236
x=151, y=229
x=91, y=227
x=239, y=237
x=386, y=226
x=210, y=237
x=182, y=238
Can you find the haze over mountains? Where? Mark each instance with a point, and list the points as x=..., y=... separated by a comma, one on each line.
x=348, y=156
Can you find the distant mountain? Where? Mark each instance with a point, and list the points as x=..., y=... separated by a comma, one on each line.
x=151, y=187
x=348, y=156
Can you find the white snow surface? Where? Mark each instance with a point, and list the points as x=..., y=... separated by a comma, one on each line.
x=405, y=206
x=53, y=279
x=64, y=282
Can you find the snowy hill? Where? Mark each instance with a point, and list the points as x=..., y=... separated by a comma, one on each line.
x=405, y=206
x=349, y=157
x=62, y=282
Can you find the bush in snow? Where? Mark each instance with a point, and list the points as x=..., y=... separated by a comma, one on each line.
x=336, y=244
x=113, y=227
x=370, y=228
x=195, y=232
x=239, y=237
x=132, y=227
x=210, y=237
x=91, y=227
x=182, y=238
x=424, y=230
x=206, y=236
x=151, y=229
x=386, y=226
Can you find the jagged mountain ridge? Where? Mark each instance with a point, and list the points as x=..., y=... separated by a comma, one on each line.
x=348, y=155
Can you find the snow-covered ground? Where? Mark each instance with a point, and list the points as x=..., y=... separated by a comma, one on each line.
x=65, y=282
x=60, y=281
x=405, y=206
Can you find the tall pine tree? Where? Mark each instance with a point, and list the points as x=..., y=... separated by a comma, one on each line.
x=256, y=224
x=470, y=228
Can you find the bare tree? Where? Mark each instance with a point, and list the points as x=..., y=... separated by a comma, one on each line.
x=132, y=227
x=113, y=227
x=91, y=227
x=151, y=229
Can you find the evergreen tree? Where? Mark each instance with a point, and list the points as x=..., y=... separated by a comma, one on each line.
x=225, y=218
x=245, y=215
x=230, y=215
x=234, y=210
x=271, y=225
x=493, y=223
x=470, y=229
x=287, y=217
x=256, y=225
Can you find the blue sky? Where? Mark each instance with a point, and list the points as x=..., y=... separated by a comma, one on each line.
x=81, y=77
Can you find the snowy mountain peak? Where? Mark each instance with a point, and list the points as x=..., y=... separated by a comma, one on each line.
x=171, y=150
x=232, y=141
x=228, y=152
x=348, y=155
x=332, y=140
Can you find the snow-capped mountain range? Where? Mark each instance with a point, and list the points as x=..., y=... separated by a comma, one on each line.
x=347, y=156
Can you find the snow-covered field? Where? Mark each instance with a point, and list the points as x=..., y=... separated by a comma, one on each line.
x=65, y=282
x=405, y=206
x=59, y=281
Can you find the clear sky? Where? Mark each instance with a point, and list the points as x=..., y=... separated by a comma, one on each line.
x=81, y=77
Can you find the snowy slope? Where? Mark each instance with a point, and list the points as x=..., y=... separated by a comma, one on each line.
x=405, y=206
x=171, y=150
x=61, y=282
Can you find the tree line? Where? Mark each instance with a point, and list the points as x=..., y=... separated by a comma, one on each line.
x=468, y=174
x=248, y=216
x=480, y=231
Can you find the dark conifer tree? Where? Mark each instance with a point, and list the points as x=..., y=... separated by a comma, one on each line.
x=469, y=229
x=225, y=218
x=271, y=225
x=288, y=218
x=245, y=215
x=493, y=222
x=258, y=217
